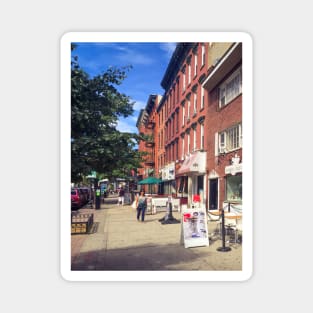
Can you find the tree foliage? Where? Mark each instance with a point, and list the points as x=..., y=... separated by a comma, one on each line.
x=96, y=106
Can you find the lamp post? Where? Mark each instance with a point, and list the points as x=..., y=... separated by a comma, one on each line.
x=223, y=248
x=169, y=218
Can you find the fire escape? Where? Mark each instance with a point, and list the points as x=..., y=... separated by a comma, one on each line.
x=150, y=146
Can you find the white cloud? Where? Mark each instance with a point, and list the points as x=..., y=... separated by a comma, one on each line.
x=131, y=56
x=139, y=105
x=127, y=125
x=168, y=47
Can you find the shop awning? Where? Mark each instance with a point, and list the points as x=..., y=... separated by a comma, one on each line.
x=194, y=163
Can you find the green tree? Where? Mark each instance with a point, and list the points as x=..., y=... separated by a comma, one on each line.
x=96, y=106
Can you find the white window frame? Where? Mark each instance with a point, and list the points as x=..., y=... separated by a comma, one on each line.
x=183, y=115
x=194, y=139
x=195, y=65
x=188, y=143
x=230, y=88
x=202, y=98
x=189, y=73
x=202, y=136
x=194, y=103
x=188, y=108
x=202, y=54
x=230, y=139
x=183, y=148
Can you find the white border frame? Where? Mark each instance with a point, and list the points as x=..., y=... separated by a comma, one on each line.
x=65, y=156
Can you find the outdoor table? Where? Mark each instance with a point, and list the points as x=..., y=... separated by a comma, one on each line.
x=231, y=224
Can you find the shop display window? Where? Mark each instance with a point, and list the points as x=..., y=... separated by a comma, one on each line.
x=234, y=188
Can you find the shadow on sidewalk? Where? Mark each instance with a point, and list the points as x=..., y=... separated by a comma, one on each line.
x=173, y=257
x=143, y=258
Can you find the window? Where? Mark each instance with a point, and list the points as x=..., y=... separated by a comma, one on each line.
x=195, y=65
x=189, y=73
x=183, y=115
x=188, y=143
x=183, y=186
x=188, y=109
x=202, y=136
x=230, y=89
x=202, y=54
x=194, y=139
x=183, y=148
x=194, y=103
x=202, y=98
x=230, y=139
x=234, y=188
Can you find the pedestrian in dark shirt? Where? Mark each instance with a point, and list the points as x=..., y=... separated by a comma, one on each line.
x=141, y=202
x=121, y=194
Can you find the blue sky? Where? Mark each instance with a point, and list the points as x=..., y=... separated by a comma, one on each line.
x=149, y=62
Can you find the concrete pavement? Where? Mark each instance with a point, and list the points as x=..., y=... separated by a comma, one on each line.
x=120, y=242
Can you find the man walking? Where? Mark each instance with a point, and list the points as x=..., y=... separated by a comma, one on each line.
x=121, y=194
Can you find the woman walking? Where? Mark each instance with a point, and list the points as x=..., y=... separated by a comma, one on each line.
x=141, y=203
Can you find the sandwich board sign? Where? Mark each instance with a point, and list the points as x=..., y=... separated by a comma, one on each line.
x=194, y=228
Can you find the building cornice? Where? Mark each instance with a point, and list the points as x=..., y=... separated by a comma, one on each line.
x=175, y=63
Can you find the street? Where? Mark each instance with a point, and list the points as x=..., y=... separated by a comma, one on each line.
x=119, y=242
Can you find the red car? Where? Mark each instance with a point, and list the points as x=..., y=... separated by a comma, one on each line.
x=77, y=198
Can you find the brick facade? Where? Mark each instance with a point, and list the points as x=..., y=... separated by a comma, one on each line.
x=190, y=120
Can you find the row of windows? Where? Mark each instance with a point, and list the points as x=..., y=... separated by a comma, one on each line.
x=173, y=96
x=228, y=90
x=193, y=59
x=227, y=140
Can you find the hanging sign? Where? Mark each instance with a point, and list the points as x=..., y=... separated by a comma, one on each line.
x=194, y=228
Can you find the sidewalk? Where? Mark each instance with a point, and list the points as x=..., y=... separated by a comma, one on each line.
x=120, y=242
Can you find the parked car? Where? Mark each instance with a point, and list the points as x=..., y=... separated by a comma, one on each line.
x=77, y=198
x=86, y=194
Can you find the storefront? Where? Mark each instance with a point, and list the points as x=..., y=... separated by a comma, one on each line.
x=191, y=177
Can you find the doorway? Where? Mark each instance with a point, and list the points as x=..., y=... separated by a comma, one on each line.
x=213, y=200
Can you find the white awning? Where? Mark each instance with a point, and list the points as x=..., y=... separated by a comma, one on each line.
x=194, y=163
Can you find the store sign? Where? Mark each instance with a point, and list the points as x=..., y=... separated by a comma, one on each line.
x=168, y=173
x=194, y=228
x=233, y=169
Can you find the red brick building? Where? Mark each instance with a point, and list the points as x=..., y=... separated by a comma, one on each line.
x=197, y=146
x=183, y=104
x=147, y=125
x=223, y=85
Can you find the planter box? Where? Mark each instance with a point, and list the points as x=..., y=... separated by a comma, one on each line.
x=81, y=223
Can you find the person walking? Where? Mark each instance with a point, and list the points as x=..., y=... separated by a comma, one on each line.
x=141, y=204
x=121, y=194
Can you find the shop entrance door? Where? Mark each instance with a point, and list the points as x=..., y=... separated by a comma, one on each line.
x=213, y=200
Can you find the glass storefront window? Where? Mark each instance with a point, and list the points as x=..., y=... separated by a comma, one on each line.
x=234, y=188
x=183, y=186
